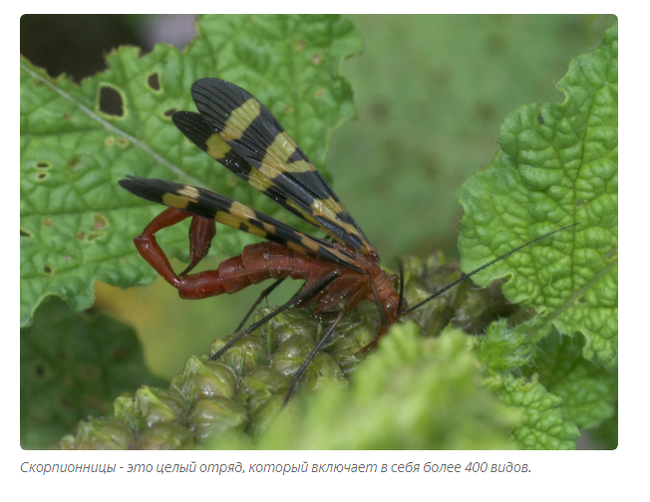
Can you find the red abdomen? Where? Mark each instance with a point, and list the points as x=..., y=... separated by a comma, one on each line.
x=257, y=263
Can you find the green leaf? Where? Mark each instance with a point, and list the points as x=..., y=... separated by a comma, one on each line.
x=606, y=435
x=412, y=393
x=589, y=393
x=73, y=365
x=77, y=141
x=545, y=426
x=558, y=166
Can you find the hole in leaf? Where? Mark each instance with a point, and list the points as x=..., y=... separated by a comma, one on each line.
x=99, y=221
x=300, y=44
x=47, y=269
x=580, y=202
x=170, y=112
x=80, y=235
x=288, y=109
x=48, y=222
x=540, y=119
x=122, y=142
x=67, y=117
x=110, y=101
x=42, y=176
x=25, y=233
x=109, y=141
x=154, y=81
x=43, y=164
x=317, y=59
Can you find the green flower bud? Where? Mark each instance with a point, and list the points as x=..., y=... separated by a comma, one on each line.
x=99, y=434
x=165, y=436
x=244, y=356
x=154, y=405
x=201, y=379
x=215, y=416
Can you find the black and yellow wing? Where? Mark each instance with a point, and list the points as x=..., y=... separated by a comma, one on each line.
x=221, y=209
x=235, y=129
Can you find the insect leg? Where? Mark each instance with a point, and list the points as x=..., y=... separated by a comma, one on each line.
x=150, y=250
x=302, y=368
x=202, y=230
x=263, y=295
x=310, y=293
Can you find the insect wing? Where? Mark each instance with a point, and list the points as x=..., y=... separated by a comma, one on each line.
x=197, y=130
x=221, y=209
x=244, y=136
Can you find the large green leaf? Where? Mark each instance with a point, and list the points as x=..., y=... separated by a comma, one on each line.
x=545, y=426
x=558, y=166
x=589, y=392
x=77, y=141
x=73, y=365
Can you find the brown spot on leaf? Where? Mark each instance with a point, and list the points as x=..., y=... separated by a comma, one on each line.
x=91, y=236
x=317, y=59
x=66, y=403
x=120, y=353
x=41, y=370
x=72, y=163
x=99, y=221
x=90, y=372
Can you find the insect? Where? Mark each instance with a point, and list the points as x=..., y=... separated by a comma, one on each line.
x=235, y=129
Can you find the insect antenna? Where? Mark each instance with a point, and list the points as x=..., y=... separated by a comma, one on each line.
x=401, y=286
x=263, y=294
x=482, y=267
